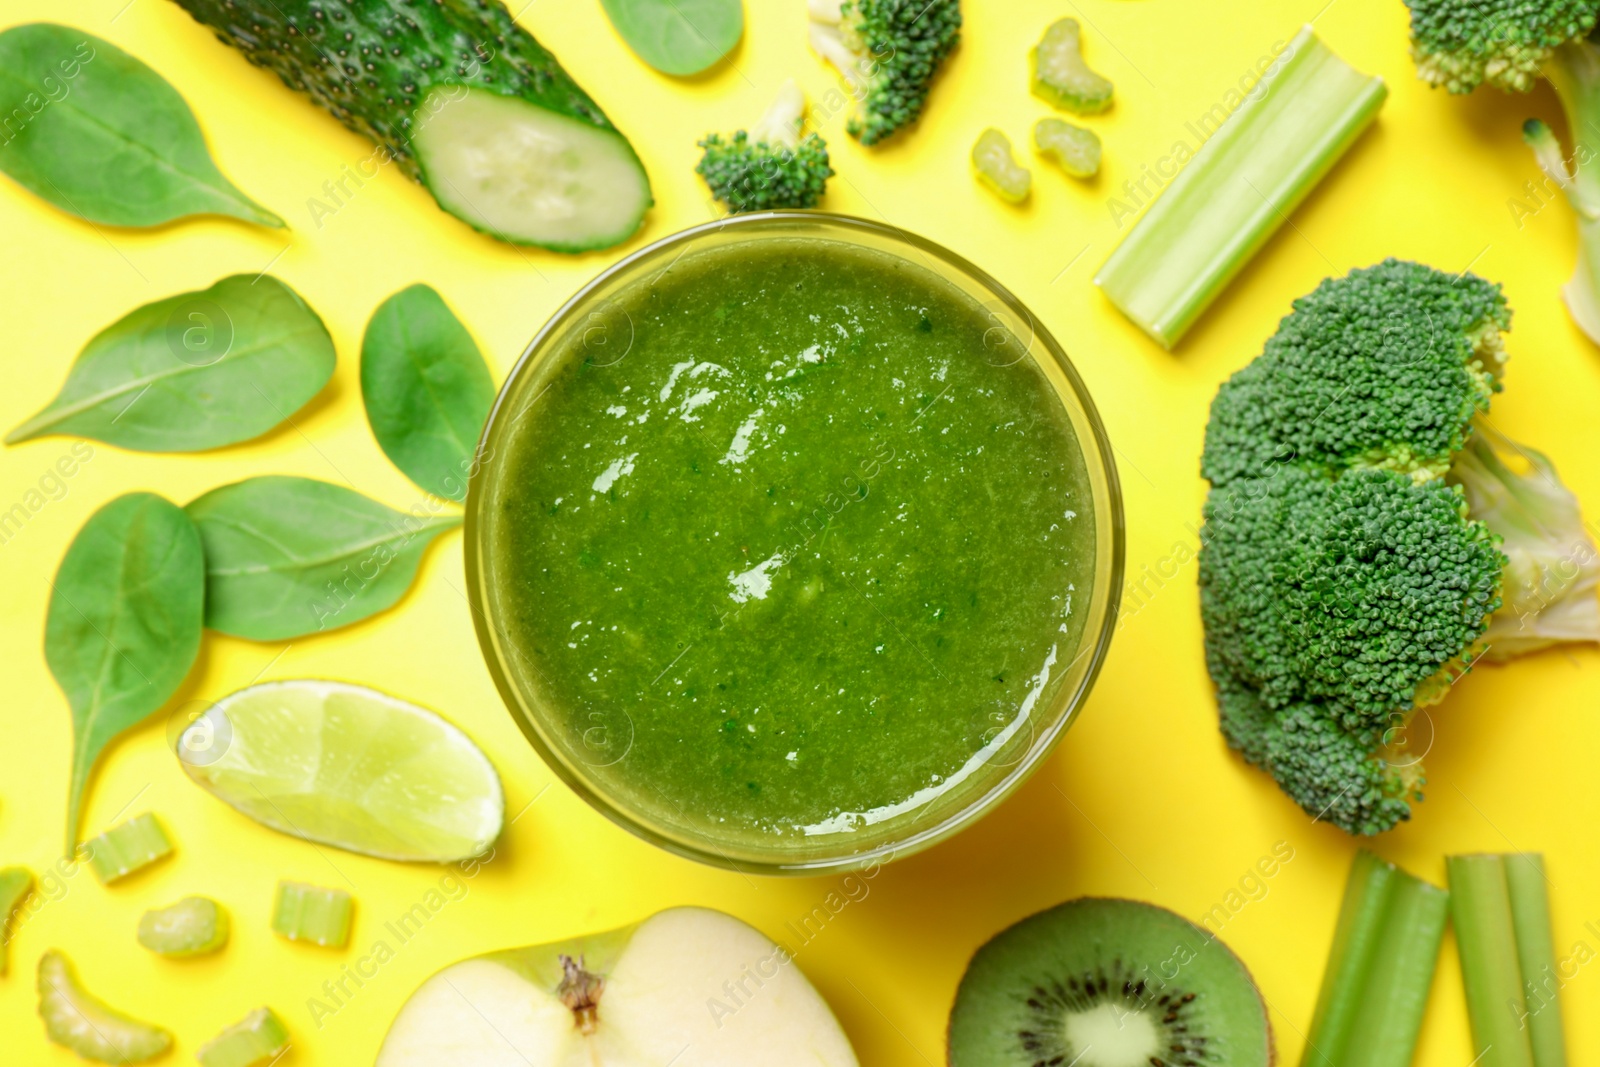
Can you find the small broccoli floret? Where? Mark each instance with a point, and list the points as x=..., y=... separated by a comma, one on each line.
x=1344, y=580
x=1460, y=44
x=1061, y=77
x=889, y=52
x=1075, y=149
x=772, y=166
x=998, y=169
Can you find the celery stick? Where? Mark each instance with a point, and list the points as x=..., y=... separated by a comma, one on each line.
x=1490, y=967
x=1239, y=188
x=256, y=1040
x=1536, y=953
x=15, y=885
x=76, y=1019
x=194, y=926
x=127, y=848
x=310, y=913
x=1385, y=949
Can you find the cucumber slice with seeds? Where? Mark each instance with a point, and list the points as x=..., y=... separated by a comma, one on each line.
x=74, y=1018
x=126, y=848
x=258, y=1039
x=15, y=885
x=460, y=98
x=194, y=926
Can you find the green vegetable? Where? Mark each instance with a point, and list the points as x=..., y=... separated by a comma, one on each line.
x=772, y=166
x=1502, y=920
x=1075, y=149
x=127, y=848
x=1344, y=583
x=1375, y=987
x=194, y=371
x=1061, y=77
x=426, y=389
x=463, y=100
x=76, y=1019
x=998, y=169
x=15, y=885
x=256, y=1040
x=98, y=134
x=124, y=624
x=287, y=556
x=889, y=52
x=678, y=36
x=1460, y=44
x=1238, y=189
x=194, y=926
x=311, y=913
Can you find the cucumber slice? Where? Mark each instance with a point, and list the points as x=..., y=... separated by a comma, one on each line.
x=194, y=926
x=76, y=1019
x=529, y=175
x=463, y=100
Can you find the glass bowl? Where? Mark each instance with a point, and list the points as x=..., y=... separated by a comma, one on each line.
x=592, y=327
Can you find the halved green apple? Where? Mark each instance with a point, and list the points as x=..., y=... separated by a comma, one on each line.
x=687, y=987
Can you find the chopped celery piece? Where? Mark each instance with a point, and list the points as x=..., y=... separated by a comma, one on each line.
x=257, y=1040
x=75, y=1019
x=15, y=885
x=310, y=913
x=995, y=166
x=1238, y=189
x=1075, y=149
x=193, y=926
x=1380, y=968
x=1061, y=77
x=1502, y=920
x=129, y=847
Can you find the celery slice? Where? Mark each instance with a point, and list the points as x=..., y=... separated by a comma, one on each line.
x=311, y=913
x=194, y=926
x=74, y=1018
x=1074, y=148
x=258, y=1039
x=127, y=848
x=1239, y=188
x=998, y=169
x=1502, y=919
x=15, y=885
x=1380, y=969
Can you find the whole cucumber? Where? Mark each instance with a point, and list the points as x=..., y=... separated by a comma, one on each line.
x=461, y=98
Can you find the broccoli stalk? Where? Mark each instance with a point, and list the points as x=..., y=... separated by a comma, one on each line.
x=1460, y=44
x=771, y=166
x=888, y=52
x=1368, y=536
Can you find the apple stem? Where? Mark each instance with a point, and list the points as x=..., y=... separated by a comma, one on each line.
x=580, y=992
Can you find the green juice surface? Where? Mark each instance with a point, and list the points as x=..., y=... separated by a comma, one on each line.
x=812, y=555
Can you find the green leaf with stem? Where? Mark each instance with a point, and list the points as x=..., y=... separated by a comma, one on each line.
x=99, y=134
x=426, y=389
x=124, y=624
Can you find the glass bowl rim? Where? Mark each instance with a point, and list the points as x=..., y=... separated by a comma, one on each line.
x=969, y=812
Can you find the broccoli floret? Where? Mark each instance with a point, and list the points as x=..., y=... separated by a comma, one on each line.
x=1460, y=44
x=771, y=166
x=889, y=52
x=1351, y=567
x=1060, y=75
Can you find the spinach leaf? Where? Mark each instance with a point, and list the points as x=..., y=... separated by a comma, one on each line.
x=427, y=390
x=678, y=36
x=291, y=556
x=194, y=371
x=99, y=134
x=124, y=624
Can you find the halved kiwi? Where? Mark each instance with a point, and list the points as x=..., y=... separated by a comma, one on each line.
x=1107, y=983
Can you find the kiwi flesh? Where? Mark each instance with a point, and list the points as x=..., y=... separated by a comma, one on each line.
x=1107, y=983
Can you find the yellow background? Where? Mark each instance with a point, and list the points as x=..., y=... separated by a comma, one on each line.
x=1142, y=799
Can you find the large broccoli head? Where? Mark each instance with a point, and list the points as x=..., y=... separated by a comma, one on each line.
x=1342, y=582
x=1461, y=43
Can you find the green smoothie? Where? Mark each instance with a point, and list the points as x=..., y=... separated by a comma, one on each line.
x=806, y=551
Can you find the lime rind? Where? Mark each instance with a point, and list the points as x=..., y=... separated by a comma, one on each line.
x=347, y=766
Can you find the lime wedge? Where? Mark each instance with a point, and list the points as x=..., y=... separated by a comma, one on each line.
x=347, y=766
